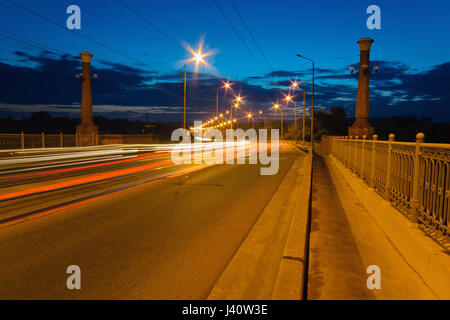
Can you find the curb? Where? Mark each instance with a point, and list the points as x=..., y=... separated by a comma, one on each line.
x=254, y=269
x=292, y=274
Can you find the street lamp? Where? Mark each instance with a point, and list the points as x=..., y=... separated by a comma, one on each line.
x=250, y=116
x=226, y=86
x=264, y=118
x=276, y=106
x=365, y=69
x=238, y=99
x=288, y=98
x=312, y=102
x=198, y=58
x=295, y=85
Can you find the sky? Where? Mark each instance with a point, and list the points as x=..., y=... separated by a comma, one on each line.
x=139, y=54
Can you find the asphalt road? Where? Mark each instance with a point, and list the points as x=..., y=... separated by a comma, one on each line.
x=138, y=226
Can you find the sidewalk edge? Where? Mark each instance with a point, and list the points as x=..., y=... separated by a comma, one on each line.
x=292, y=273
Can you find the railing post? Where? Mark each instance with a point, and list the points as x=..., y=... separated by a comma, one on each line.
x=61, y=140
x=372, y=168
x=349, y=153
x=387, y=194
x=420, y=137
x=76, y=139
x=22, y=140
x=362, y=156
x=355, y=154
x=43, y=140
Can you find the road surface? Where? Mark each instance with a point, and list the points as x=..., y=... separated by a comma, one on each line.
x=138, y=226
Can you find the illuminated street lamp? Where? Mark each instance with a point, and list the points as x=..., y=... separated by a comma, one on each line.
x=238, y=99
x=312, y=102
x=276, y=106
x=198, y=58
x=250, y=117
x=264, y=118
x=295, y=85
x=226, y=86
x=288, y=98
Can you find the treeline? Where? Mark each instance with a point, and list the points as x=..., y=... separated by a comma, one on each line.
x=43, y=122
x=335, y=122
x=327, y=122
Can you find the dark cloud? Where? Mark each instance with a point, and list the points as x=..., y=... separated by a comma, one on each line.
x=126, y=91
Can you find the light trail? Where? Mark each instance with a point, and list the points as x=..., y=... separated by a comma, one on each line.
x=81, y=181
x=59, y=208
x=70, y=204
x=135, y=158
x=75, y=155
x=65, y=164
x=121, y=172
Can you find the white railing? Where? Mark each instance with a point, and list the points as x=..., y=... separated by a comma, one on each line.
x=414, y=177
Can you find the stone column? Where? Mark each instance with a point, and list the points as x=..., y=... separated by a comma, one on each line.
x=362, y=126
x=86, y=129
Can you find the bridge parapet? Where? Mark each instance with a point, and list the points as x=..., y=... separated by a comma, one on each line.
x=413, y=176
x=45, y=140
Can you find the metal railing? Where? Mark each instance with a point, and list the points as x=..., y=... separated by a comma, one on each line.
x=414, y=177
x=32, y=141
x=44, y=140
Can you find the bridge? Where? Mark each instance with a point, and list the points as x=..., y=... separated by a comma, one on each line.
x=140, y=226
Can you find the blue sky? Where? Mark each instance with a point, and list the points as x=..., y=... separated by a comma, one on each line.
x=412, y=49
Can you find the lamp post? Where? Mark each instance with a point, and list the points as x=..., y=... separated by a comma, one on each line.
x=184, y=103
x=304, y=112
x=250, y=117
x=276, y=106
x=288, y=99
x=264, y=118
x=226, y=86
x=312, y=100
x=238, y=99
x=198, y=58
x=295, y=85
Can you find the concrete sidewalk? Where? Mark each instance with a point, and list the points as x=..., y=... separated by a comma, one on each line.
x=345, y=240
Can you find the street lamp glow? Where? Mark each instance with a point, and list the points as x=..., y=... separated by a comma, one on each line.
x=295, y=84
x=198, y=57
x=288, y=98
x=276, y=106
x=227, y=85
